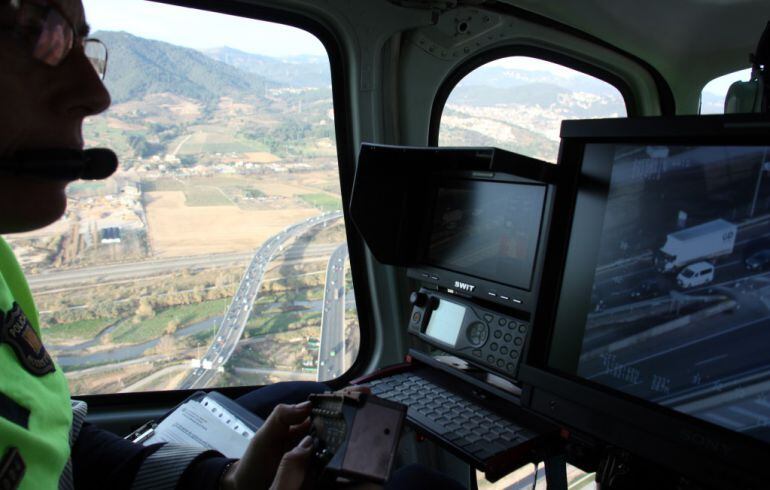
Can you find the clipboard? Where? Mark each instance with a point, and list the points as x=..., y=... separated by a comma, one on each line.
x=208, y=420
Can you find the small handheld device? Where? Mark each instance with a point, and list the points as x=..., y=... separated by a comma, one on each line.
x=356, y=436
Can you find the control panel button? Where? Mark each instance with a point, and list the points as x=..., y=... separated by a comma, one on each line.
x=476, y=352
x=477, y=334
x=518, y=341
x=503, y=350
x=512, y=324
x=502, y=322
x=416, y=317
x=493, y=346
x=498, y=334
x=522, y=329
x=514, y=353
x=490, y=359
x=488, y=318
x=418, y=299
x=500, y=363
x=509, y=367
x=508, y=337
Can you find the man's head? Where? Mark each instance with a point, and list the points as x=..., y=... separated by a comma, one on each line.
x=44, y=98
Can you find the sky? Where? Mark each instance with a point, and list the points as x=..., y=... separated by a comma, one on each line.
x=199, y=30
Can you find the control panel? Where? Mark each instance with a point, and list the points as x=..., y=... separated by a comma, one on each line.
x=481, y=336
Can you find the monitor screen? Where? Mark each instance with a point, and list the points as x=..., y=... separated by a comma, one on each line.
x=488, y=230
x=675, y=298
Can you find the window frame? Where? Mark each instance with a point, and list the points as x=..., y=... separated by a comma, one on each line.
x=150, y=402
x=551, y=56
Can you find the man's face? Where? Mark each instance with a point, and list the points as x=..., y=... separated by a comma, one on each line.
x=41, y=107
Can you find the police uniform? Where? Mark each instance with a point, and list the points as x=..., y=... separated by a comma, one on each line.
x=44, y=443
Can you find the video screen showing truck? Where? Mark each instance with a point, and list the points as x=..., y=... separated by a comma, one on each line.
x=679, y=310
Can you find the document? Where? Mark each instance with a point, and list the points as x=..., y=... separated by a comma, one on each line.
x=205, y=423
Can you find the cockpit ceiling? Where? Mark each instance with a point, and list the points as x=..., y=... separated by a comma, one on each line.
x=718, y=34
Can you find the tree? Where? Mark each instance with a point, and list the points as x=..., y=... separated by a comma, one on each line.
x=172, y=326
x=145, y=309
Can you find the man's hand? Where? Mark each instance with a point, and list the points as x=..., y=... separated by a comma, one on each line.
x=282, y=429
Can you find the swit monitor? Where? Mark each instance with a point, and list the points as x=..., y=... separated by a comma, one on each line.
x=469, y=225
x=659, y=294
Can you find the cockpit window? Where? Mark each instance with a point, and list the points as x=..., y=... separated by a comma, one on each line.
x=712, y=99
x=216, y=255
x=518, y=104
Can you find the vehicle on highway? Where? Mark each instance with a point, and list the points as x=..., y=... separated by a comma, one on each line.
x=696, y=274
x=234, y=138
x=647, y=288
x=705, y=241
x=758, y=260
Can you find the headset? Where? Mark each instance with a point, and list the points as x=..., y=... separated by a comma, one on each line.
x=61, y=164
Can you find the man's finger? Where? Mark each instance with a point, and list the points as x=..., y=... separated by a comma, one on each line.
x=282, y=418
x=291, y=470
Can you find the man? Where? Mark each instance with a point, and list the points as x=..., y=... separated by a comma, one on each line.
x=48, y=85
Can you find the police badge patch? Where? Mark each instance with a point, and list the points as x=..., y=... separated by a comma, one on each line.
x=16, y=331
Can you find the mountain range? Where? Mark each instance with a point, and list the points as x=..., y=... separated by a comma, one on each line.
x=139, y=67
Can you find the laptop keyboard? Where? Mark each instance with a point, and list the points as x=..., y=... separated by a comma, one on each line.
x=466, y=425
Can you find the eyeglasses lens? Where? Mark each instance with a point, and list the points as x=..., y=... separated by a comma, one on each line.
x=96, y=52
x=55, y=40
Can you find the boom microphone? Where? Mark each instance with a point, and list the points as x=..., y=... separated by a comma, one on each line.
x=61, y=164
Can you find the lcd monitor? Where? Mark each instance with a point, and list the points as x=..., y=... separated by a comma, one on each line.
x=488, y=230
x=659, y=299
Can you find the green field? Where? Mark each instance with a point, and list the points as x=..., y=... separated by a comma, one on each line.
x=80, y=330
x=205, y=196
x=324, y=202
x=280, y=322
x=162, y=185
x=129, y=332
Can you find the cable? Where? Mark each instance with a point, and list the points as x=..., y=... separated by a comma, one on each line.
x=534, y=479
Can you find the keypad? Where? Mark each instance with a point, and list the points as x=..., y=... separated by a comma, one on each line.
x=468, y=426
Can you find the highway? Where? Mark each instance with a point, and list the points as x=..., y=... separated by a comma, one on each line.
x=129, y=271
x=331, y=353
x=234, y=321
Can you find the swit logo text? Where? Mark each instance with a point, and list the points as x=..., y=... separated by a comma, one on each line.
x=465, y=287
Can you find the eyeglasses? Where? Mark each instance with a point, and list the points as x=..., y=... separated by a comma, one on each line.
x=52, y=36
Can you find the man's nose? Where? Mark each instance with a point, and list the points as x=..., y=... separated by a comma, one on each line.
x=84, y=92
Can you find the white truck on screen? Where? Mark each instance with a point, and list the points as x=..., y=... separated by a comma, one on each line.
x=702, y=242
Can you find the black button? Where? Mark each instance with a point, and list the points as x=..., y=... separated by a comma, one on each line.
x=522, y=329
x=500, y=363
x=498, y=334
x=490, y=359
x=502, y=322
x=512, y=324
x=416, y=317
x=488, y=318
x=509, y=367
x=518, y=341
x=514, y=353
x=503, y=350
x=508, y=337
x=493, y=346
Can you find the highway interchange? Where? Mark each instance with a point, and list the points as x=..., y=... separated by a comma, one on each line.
x=234, y=321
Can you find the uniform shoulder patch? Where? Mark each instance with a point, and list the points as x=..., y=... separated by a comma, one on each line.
x=16, y=331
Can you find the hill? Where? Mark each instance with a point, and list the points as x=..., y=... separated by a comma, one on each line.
x=139, y=67
x=297, y=71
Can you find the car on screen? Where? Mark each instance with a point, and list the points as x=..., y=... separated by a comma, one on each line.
x=697, y=274
x=758, y=260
